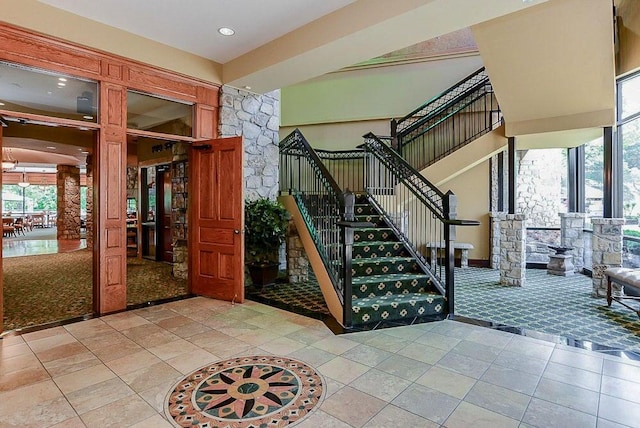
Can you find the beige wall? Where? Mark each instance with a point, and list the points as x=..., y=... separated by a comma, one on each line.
x=472, y=191
x=628, y=12
x=339, y=136
x=43, y=18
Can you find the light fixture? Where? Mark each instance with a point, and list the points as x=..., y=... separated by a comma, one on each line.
x=87, y=117
x=226, y=31
x=247, y=87
x=61, y=84
x=51, y=147
x=62, y=79
x=8, y=162
x=24, y=183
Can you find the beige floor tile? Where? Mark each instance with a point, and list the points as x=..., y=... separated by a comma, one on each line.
x=155, y=421
x=175, y=321
x=150, y=335
x=124, y=320
x=437, y=340
x=259, y=337
x=423, y=353
x=115, y=352
x=188, y=330
x=124, y=412
x=15, y=350
x=380, y=384
x=44, y=333
x=320, y=419
x=426, y=402
x=282, y=346
x=173, y=349
x=229, y=348
x=90, y=328
x=367, y=355
x=44, y=414
x=71, y=364
x=582, y=361
x=343, y=370
x=408, y=332
x=541, y=413
x=447, y=381
x=352, y=406
x=133, y=362
x=156, y=396
x=11, y=339
x=498, y=399
x=386, y=342
x=336, y=345
x=27, y=396
x=149, y=376
x=573, y=376
x=99, y=395
x=312, y=356
x=62, y=351
x=74, y=422
x=21, y=370
x=568, y=396
x=621, y=388
x=209, y=339
x=404, y=367
x=83, y=378
x=49, y=342
x=469, y=415
x=392, y=416
x=187, y=363
x=108, y=340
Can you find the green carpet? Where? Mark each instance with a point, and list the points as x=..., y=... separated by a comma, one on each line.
x=550, y=304
x=55, y=287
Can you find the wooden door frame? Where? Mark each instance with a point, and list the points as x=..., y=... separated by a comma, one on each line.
x=115, y=76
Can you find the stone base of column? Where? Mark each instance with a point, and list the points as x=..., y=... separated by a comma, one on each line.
x=560, y=264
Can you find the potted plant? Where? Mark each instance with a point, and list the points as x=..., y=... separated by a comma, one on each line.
x=266, y=224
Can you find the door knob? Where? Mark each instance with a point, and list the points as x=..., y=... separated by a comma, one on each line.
x=236, y=231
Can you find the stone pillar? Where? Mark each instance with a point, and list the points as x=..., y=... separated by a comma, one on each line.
x=496, y=218
x=297, y=261
x=68, y=184
x=572, y=235
x=89, y=218
x=257, y=119
x=179, y=215
x=512, y=250
x=607, y=251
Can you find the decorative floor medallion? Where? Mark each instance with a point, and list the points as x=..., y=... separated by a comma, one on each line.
x=257, y=391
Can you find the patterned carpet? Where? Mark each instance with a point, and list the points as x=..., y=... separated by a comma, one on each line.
x=256, y=391
x=549, y=304
x=303, y=298
x=54, y=287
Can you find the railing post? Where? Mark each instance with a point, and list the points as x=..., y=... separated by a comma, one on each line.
x=348, y=218
x=394, y=135
x=449, y=205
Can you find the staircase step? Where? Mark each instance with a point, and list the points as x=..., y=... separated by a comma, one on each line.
x=385, y=285
x=373, y=249
x=376, y=219
x=383, y=266
x=364, y=209
x=396, y=307
x=373, y=234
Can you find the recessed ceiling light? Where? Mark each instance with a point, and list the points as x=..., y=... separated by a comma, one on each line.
x=51, y=147
x=85, y=152
x=87, y=117
x=226, y=31
x=62, y=84
x=1, y=104
x=62, y=79
x=247, y=87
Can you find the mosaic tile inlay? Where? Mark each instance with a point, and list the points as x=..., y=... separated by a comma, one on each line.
x=256, y=391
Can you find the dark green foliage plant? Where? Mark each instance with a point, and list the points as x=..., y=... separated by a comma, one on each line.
x=265, y=228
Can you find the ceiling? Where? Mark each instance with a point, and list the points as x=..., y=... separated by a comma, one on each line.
x=194, y=28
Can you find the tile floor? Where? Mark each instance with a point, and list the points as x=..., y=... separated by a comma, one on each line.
x=116, y=371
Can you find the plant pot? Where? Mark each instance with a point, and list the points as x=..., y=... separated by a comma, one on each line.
x=263, y=274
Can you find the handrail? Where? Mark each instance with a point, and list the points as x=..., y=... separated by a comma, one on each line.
x=443, y=97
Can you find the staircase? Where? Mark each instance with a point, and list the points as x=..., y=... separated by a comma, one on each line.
x=387, y=283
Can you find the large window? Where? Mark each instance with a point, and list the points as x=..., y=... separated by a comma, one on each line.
x=628, y=134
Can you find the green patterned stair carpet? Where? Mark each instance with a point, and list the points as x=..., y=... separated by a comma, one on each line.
x=388, y=284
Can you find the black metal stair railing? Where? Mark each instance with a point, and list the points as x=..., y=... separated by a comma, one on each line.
x=447, y=122
x=420, y=214
x=320, y=201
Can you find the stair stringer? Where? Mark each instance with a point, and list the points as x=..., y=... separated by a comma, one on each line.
x=326, y=286
x=466, y=157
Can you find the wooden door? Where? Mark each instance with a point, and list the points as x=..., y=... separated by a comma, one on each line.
x=1, y=244
x=217, y=219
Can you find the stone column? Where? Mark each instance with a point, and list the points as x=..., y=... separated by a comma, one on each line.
x=68, y=184
x=297, y=261
x=89, y=218
x=572, y=235
x=496, y=218
x=180, y=151
x=512, y=250
x=607, y=251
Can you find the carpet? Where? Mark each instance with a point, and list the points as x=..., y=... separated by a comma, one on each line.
x=54, y=287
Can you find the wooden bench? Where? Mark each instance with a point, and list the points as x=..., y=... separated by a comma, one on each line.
x=463, y=247
x=624, y=277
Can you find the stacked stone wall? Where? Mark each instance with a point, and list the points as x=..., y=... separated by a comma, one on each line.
x=606, y=247
x=89, y=216
x=68, y=215
x=257, y=119
x=512, y=250
x=540, y=173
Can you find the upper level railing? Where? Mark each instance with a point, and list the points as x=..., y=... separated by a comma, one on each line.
x=319, y=199
x=447, y=122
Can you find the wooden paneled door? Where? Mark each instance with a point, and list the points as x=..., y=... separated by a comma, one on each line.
x=217, y=219
x=1, y=243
